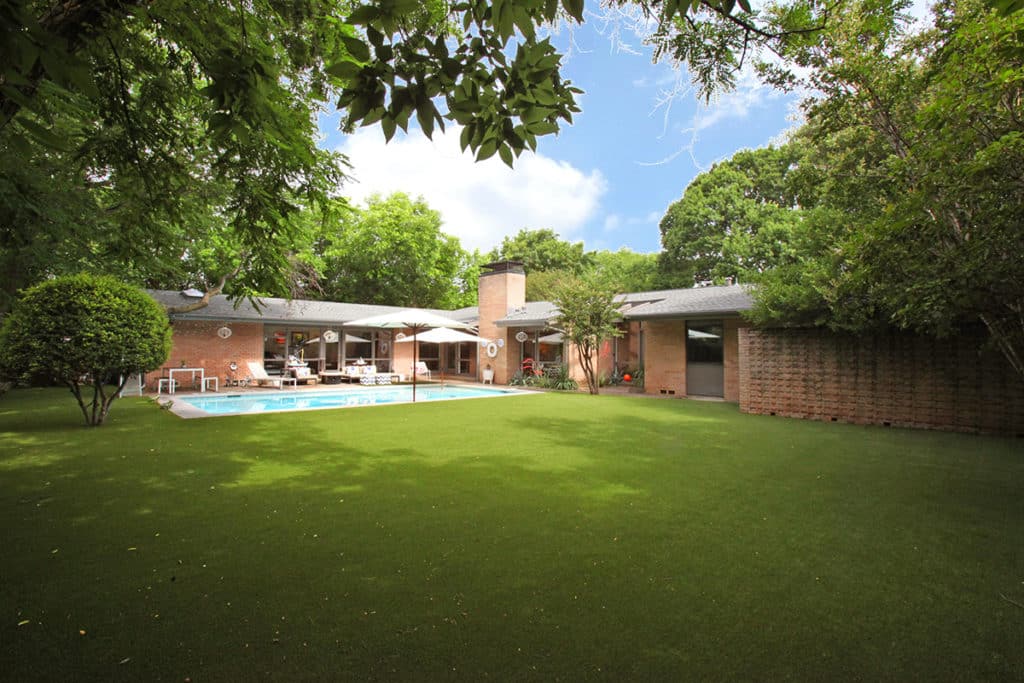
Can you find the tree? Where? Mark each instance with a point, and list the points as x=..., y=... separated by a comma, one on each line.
x=192, y=126
x=393, y=252
x=734, y=220
x=540, y=251
x=920, y=141
x=587, y=317
x=84, y=331
x=189, y=127
x=628, y=271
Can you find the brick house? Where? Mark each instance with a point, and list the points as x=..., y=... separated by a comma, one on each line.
x=688, y=342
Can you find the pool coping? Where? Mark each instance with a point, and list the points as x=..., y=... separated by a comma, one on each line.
x=186, y=411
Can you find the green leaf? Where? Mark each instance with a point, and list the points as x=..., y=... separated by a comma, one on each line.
x=43, y=134
x=574, y=8
x=425, y=117
x=387, y=124
x=542, y=128
x=364, y=14
x=345, y=70
x=487, y=150
x=506, y=155
x=357, y=48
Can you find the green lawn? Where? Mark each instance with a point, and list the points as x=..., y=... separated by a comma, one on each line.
x=543, y=537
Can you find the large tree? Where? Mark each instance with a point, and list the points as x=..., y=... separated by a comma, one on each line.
x=920, y=141
x=628, y=271
x=184, y=134
x=393, y=252
x=161, y=101
x=734, y=220
x=542, y=250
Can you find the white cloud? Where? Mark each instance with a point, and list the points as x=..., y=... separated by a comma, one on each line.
x=480, y=203
x=612, y=222
x=750, y=94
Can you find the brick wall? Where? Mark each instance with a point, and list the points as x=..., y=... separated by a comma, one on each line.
x=891, y=379
x=197, y=345
x=665, y=357
x=498, y=293
x=730, y=358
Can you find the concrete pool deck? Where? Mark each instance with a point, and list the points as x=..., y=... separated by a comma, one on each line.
x=180, y=405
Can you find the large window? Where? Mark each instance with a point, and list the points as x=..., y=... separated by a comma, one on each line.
x=704, y=341
x=431, y=355
x=279, y=343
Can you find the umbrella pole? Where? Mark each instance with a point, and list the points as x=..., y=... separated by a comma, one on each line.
x=415, y=358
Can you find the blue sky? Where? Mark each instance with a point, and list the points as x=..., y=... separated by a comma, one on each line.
x=606, y=180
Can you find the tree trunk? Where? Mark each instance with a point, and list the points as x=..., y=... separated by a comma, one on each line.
x=585, y=355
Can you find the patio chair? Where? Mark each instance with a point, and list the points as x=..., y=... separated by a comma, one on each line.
x=422, y=370
x=261, y=378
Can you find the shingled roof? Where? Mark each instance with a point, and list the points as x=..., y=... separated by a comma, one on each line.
x=688, y=303
x=275, y=310
x=670, y=303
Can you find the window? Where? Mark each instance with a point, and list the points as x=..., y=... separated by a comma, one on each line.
x=431, y=355
x=704, y=341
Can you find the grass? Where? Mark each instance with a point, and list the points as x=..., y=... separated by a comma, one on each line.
x=547, y=537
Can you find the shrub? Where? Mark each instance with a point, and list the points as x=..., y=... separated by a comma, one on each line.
x=557, y=377
x=82, y=331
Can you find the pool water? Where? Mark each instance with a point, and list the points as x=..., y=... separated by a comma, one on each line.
x=274, y=401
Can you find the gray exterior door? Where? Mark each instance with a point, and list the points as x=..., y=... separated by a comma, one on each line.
x=705, y=370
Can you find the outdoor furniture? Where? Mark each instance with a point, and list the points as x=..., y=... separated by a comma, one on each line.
x=215, y=381
x=302, y=374
x=192, y=371
x=359, y=373
x=262, y=379
x=134, y=386
x=488, y=376
x=165, y=383
x=421, y=369
x=332, y=376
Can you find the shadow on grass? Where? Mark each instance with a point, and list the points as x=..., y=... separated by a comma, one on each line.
x=535, y=538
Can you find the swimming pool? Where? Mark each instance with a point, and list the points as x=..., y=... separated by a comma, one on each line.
x=278, y=401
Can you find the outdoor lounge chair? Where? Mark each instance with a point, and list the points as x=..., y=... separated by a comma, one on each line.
x=260, y=376
x=422, y=370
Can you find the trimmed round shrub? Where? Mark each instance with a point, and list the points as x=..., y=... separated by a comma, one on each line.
x=83, y=331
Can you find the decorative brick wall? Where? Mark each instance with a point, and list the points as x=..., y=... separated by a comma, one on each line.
x=197, y=344
x=892, y=379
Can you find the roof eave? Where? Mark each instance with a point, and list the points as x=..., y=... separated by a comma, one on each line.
x=685, y=315
x=524, y=323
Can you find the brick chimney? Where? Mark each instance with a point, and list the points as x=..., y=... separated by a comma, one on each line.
x=501, y=289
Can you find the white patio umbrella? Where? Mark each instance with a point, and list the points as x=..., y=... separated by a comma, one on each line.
x=445, y=335
x=348, y=338
x=414, y=319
